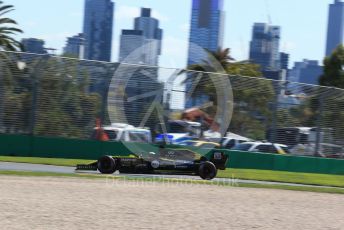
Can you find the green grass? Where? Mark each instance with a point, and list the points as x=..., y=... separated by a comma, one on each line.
x=45, y=161
x=285, y=177
x=169, y=180
x=245, y=174
x=50, y=174
x=295, y=188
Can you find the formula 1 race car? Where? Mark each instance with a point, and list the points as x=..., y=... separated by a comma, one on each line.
x=167, y=161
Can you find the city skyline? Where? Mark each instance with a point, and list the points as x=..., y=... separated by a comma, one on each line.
x=310, y=45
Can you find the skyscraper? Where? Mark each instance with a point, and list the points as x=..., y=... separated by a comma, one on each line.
x=98, y=21
x=142, y=44
x=206, y=33
x=264, y=46
x=307, y=71
x=335, y=29
x=284, y=60
x=207, y=27
x=75, y=46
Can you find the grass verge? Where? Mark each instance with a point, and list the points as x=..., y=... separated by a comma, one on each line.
x=244, y=174
x=285, y=177
x=176, y=181
x=45, y=161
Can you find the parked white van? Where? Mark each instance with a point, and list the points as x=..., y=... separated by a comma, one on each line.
x=127, y=133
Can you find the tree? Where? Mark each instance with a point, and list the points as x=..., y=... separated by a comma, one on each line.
x=12, y=105
x=63, y=104
x=219, y=62
x=7, y=42
x=214, y=63
x=334, y=69
x=251, y=94
x=253, y=98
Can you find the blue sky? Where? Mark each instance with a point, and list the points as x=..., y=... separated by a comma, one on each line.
x=303, y=22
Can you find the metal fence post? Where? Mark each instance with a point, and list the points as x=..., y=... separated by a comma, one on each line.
x=35, y=82
x=34, y=104
x=275, y=111
x=2, y=89
x=319, y=120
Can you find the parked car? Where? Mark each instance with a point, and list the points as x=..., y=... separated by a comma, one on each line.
x=325, y=150
x=200, y=144
x=232, y=139
x=178, y=131
x=262, y=147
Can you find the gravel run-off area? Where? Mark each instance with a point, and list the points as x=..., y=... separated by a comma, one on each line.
x=73, y=203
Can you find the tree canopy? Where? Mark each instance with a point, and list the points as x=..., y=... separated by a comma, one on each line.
x=334, y=69
x=55, y=91
x=251, y=95
x=8, y=29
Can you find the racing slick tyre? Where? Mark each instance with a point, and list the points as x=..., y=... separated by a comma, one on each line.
x=106, y=165
x=207, y=170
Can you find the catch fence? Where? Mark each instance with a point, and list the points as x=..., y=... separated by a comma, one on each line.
x=52, y=96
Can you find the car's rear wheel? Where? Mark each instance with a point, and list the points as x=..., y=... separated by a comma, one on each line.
x=106, y=165
x=207, y=170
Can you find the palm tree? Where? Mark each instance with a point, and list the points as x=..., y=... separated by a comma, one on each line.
x=219, y=61
x=216, y=62
x=7, y=42
x=211, y=64
x=246, y=88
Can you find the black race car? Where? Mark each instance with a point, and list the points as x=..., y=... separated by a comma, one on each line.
x=167, y=161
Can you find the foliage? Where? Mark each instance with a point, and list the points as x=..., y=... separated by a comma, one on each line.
x=216, y=62
x=333, y=69
x=251, y=94
x=332, y=115
x=333, y=76
x=253, y=98
x=63, y=107
x=53, y=93
x=7, y=42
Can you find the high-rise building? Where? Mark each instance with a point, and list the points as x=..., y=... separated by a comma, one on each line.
x=335, y=29
x=98, y=23
x=75, y=46
x=307, y=72
x=130, y=41
x=34, y=45
x=207, y=28
x=284, y=60
x=264, y=46
x=206, y=34
x=142, y=45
